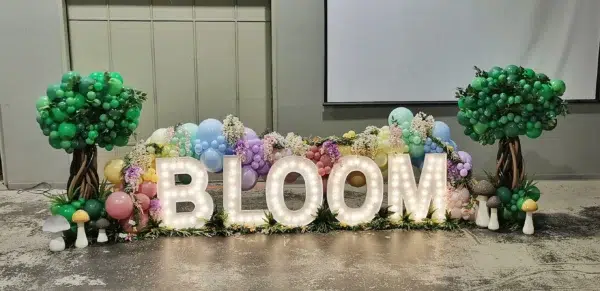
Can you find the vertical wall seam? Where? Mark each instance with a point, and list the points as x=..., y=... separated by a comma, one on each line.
x=237, y=58
x=196, y=77
x=111, y=64
x=153, y=53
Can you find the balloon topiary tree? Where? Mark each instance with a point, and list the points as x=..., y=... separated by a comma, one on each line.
x=81, y=113
x=501, y=104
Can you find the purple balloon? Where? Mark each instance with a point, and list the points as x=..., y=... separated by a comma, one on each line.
x=464, y=173
x=460, y=166
x=255, y=149
x=465, y=157
x=249, y=134
x=257, y=158
x=255, y=165
x=249, y=178
x=247, y=157
x=467, y=166
x=264, y=170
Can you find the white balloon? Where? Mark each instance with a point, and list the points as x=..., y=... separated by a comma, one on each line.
x=159, y=136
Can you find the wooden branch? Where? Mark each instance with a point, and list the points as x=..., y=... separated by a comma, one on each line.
x=515, y=171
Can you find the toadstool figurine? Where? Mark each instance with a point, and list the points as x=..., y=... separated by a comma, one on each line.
x=483, y=189
x=529, y=206
x=102, y=224
x=81, y=217
x=56, y=224
x=493, y=203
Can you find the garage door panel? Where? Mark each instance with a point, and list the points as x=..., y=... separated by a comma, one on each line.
x=174, y=65
x=90, y=52
x=131, y=45
x=215, y=45
x=130, y=9
x=253, y=10
x=173, y=9
x=210, y=10
x=87, y=9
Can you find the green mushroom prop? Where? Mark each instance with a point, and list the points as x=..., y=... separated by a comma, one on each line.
x=502, y=104
x=81, y=113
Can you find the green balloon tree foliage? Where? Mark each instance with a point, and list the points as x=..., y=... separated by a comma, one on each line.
x=502, y=104
x=80, y=113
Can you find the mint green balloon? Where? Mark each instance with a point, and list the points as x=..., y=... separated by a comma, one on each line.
x=42, y=103
x=480, y=128
x=416, y=151
x=399, y=116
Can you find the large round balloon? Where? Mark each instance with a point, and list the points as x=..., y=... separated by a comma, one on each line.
x=159, y=136
x=441, y=130
x=191, y=129
x=112, y=170
x=400, y=115
x=250, y=134
x=249, y=178
x=209, y=130
x=119, y=205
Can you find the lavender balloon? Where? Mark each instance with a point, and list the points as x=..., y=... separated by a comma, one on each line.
x=249, y=178
x=465, y=157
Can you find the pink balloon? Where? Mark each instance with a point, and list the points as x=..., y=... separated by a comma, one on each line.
x=314, y=149
x=317, y=156
x=320, y=165
x=143, y=200
x=322, y=172
x=310, y=154
x=148, y=188
x=138, y=227
x=119, y=205
x=326, y=160
x=292, y=177
x=327, y=170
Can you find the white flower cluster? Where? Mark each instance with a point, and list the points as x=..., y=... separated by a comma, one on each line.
x=139, y=156
x=422, y=124
x=365, y=143
x=295, y=144
x=233, y=129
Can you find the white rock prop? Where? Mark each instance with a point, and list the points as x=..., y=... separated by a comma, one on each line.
x=56, y=224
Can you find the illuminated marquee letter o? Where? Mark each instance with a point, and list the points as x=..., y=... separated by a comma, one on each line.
x=335, y=190
x=313, y=185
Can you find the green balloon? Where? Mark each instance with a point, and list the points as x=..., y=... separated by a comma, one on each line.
x=479, y=83
x=77, y=204
x=97, y=76
x=108, y=147
x=54, y=142
x=57, y=115
x=133, y=125
x=529, y=73
x=558, y=86
x=416, y=151
x=133, y=113
x=116, y=76
x=55, y=209
x=66, y=77
x=121, y=141
x=511, y=129
x=67, y=130
x=51, y=91
x=534, y=133
x=79, y=101
x=520, y=203
x=534, y=193
x=480, y=128
x=67, y=211
x=94, y=208
x=546, y=92
x=512, y=69
x=65, y=144
x=114, y=86
x=504, y=194
x=42, y=103
x=463, y=119
x=98, y=86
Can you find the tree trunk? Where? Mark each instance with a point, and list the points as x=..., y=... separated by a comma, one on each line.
x=509, y=163
x=83, y=179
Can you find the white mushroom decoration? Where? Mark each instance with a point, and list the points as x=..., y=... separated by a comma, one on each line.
x=493, y=203
x=529, y=206
x=483, y=189
x=81, y=217
x=102, y=224
x=56, y=224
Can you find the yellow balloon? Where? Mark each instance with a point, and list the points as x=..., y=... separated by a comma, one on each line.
x=345, y=150
x=112, y=170
x=381, y=160
x=356, y=179
x=150, y=175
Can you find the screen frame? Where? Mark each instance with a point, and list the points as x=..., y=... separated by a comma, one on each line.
x=420, y=103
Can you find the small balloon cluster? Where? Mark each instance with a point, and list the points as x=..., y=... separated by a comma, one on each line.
x=210, y=144
x=97, y=109
x=505, y=103
x=251, y=150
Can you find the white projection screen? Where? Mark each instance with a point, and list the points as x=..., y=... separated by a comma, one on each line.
x=415, y=51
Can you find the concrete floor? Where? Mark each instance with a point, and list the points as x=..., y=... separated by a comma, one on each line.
x=563, y=254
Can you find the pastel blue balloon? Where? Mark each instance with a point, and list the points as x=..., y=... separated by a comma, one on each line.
x=220, y=139
x=399, y=116
x=209, y=130
x=191, y=129
x=205, y=145
x=441, y=131
x=427, y=149
x=439, y=150
x=214, y=144
x=222, y=148
x=213, y=160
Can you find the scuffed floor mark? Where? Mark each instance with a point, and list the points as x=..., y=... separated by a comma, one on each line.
x=78, y=280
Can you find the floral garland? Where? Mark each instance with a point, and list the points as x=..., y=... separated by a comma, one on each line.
x=422, y=125
x=271, y=142
x=233, y=129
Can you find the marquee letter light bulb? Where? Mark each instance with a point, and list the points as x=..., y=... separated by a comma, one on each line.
x=232, y=195
x=195, y=192
x=402, y=187
x=313, y=185
x=337, y=181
